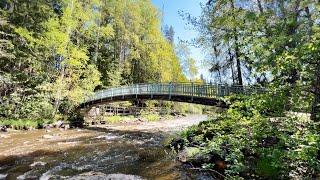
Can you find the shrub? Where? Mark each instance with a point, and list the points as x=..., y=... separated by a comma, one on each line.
x=152, y=117
x=117, y=119
x=113, y=119
x=254, y=144
x=23, y=124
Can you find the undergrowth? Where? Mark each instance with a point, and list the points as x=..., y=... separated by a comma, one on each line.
x=255, y=141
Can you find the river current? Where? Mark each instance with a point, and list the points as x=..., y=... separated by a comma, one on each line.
x=120, y=152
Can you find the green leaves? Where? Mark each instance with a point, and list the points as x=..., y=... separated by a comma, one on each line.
x=258, y=144
x=64, y=50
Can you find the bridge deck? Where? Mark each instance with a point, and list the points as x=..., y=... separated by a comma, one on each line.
x=207, y=94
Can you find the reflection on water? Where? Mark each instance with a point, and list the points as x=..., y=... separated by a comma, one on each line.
x=95, y=153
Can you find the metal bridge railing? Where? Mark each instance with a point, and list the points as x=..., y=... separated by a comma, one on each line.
x=171, y=89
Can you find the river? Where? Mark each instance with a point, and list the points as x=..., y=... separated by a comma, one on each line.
x=123, y=151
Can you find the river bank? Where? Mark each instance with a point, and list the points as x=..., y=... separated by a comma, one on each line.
x=128, y=149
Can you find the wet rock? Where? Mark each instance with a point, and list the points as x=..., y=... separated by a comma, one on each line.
x=47, y=126
x=58, y=124
x=27, y=175
x=174, y=114
x=177, y=144
x=98, y=176
x=3, y=129
x=188, y=154
x=194, y=156
x=38, y=163
x=67, y=126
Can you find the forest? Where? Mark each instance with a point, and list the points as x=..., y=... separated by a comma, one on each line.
x=54, y=54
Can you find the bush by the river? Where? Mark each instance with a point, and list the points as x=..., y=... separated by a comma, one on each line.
x=24, y=124
x=245, y=142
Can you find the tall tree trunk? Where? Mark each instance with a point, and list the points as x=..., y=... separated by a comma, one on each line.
x=96, y=50
x=315, y=112
x=231, y=65
x=236, y=48
x=310, y=22
x=237, y=56
x=63, y=72
x=260, y=6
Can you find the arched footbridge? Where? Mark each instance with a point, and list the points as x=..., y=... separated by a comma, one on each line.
x=206, y=94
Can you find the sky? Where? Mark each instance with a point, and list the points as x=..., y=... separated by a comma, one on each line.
x=171, y=17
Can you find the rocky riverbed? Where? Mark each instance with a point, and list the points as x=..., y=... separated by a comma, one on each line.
x=121, y=151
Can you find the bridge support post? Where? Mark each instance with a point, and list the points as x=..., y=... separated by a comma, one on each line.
x=151, y=90
x=170, y=90
x=192, y=91
x=122, y=93
x=136, y=91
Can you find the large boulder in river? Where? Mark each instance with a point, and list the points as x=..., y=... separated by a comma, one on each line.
x=58, y=124
x=3, y=129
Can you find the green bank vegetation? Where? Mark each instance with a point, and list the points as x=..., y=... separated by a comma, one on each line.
x=253, y=139
x=155, y=111
x=275, y=44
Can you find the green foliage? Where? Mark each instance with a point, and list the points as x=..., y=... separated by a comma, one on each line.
x=118, y=119
x=55, y=54
x=188, y=64
x=255, y=144
x=186, y=108
x=151, y=117
x=267, y=42
x=270, y=164
x=23, y=124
